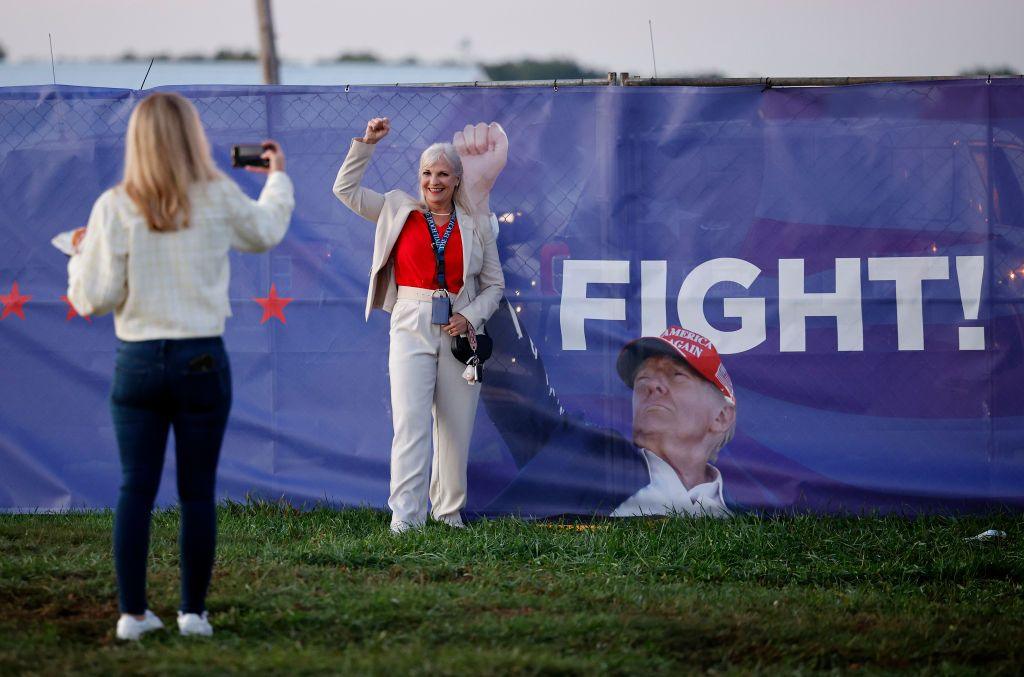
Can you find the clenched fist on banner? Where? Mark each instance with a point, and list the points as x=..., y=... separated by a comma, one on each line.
x=483, y=150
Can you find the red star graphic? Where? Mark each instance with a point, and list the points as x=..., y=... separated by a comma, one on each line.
x=14, y=303
x=273, y=305
x=72, y=312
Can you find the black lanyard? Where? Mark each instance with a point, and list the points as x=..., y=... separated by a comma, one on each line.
x=438, y=245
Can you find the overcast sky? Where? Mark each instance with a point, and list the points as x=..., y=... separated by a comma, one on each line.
x=734, y=37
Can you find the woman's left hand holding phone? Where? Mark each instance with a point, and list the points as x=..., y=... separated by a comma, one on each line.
x=273, y=153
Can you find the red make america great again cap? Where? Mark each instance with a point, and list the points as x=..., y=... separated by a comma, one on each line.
x=698, y=351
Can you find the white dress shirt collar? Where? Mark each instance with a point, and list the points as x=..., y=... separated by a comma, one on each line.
x=666, y=494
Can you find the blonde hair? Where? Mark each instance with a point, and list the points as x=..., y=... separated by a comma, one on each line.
x=447, y=152
x=166, y=151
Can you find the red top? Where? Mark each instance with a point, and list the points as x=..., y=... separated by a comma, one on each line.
x=414, y=255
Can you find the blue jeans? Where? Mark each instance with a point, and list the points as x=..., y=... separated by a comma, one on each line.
x=158, y=384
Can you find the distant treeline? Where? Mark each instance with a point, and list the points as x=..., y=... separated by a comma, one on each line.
x=524, y=69
x=219, y=55
x=539, y=69
x=982, y=71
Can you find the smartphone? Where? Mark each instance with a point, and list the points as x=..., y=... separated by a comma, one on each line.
x=248, y=155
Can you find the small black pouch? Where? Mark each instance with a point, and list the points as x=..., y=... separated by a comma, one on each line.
x=472, y=350
x=464, y=352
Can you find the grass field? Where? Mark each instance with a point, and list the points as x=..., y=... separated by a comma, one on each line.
x=324, y=591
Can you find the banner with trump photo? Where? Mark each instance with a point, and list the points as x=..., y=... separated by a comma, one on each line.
x=717, y=300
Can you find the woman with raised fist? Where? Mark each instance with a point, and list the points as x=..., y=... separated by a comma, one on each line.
x=436, y=270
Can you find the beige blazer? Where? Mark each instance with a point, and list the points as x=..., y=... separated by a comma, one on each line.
x=483, y=280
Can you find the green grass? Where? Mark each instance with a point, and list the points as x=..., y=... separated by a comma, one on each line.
x=324, y=591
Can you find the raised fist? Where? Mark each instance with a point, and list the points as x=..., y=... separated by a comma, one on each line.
x=376, y=129
x=483, y=149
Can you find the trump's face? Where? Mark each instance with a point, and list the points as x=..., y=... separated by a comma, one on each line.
x=673, y=405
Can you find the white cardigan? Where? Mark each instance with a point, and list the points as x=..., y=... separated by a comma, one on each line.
x=173, y=285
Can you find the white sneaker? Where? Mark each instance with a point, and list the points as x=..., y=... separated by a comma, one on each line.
x=454, y=521
x=401, y=527
x=130, y=628
x=194, y=624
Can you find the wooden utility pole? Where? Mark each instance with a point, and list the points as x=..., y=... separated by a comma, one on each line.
x=268, y=51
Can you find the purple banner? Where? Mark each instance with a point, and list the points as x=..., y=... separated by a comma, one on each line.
x=855, y=254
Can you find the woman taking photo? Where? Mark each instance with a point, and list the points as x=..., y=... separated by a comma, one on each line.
x=436, y=270
x=155, y=252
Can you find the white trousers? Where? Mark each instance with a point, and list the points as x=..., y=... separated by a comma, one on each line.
x=431, y=405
